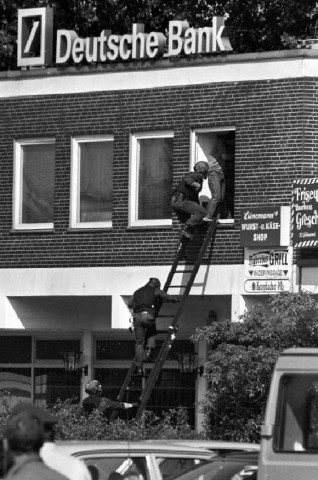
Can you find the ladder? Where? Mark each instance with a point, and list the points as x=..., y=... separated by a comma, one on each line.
x=173, y=327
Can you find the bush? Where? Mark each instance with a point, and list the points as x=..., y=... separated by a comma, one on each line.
x=172, y=425
x=242, y=358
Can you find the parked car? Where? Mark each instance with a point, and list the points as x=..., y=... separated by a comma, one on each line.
x=219, y=446
x=226, y=466
x=147, y=460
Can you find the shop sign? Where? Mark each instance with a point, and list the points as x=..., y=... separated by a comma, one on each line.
x=267, y=270
x=35, y=41
x=305, y=213
x=265, y=226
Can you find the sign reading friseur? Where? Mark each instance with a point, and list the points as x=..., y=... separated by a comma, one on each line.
x=305, y=213
x=35, y=41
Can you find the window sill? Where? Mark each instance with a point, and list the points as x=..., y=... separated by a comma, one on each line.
x=89, y=230
x=149, y=227
x=32, y=230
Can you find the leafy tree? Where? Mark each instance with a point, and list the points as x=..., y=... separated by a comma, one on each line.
x=242, y=357
x=256, y=25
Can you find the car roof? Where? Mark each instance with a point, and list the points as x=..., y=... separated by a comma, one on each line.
x=219, y=446
x=82, y=447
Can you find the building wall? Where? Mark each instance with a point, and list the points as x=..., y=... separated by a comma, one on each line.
x=270, y=122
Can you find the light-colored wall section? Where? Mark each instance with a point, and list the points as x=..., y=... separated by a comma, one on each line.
x=273, y=65
x=115, y=283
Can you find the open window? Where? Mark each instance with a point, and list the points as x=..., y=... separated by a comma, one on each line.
x=221, y=142
x=151, y=179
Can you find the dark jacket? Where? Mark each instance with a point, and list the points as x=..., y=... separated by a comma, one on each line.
x=188, y=188
x=148, y=298
x=94, y=401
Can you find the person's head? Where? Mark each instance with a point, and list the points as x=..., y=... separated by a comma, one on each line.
x=202, y=167
x=93, y=387
x=43, y=416
x=155, y=282
x=23, y=434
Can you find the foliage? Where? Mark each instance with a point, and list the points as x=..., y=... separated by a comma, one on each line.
x=242, y=357
x=255, y=25
x=172, y=425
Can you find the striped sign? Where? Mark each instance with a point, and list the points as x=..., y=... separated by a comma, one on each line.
x=304, y=213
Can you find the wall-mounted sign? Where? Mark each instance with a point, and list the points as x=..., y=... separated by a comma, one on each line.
x=305, y=213
x=108, y=47
x=265, y=226
x=267, y=271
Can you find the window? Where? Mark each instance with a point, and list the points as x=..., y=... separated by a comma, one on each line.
x=205, y=142
x=151, y=179
x=34, y=176
x=32, y=368
x=92, y=182
x=297, y=414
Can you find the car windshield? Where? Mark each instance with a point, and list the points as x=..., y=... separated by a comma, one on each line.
x=118, y=468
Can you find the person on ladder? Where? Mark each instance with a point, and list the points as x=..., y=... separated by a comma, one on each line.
x=145, y=303
x=185, y=199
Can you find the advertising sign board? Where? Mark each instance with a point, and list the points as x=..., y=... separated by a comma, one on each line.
x=268, y=271
x=305, y=213
x=265, y=226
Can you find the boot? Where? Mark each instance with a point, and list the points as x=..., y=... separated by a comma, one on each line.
x=148, y=355
x=186, y=232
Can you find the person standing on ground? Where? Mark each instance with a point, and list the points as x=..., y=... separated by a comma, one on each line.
x=23, y=438
x=185, y=199
x=145, y=303
x=52, y=456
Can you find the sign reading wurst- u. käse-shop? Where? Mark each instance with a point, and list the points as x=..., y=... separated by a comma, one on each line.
x=35, y=41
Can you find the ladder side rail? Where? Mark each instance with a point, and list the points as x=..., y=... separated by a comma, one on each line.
x=167, y=343
x=153, y=377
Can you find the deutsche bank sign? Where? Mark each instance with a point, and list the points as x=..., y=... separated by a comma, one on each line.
x=35, y=41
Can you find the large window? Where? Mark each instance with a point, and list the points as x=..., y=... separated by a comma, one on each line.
x=92, y=182
x=151, y=179
x=32, y=369
x=205, y=142
x=34, y=176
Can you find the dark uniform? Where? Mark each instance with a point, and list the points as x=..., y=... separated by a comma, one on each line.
x=95, y=400
x=185, y=199
x=145, y=303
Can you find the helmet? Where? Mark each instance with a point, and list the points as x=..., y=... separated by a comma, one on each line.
x=155, y=282
x=201, y=167
x=93, y=386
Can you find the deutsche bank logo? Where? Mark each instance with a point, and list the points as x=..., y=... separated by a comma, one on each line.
x=35, y=37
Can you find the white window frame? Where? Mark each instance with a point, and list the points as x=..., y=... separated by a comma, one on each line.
x=133, y=220
x=193, y=156
x=75, y=181
x=18, y=184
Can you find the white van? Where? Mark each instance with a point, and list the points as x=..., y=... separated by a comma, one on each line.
x=289, y=438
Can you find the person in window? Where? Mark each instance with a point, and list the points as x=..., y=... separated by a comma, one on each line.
x=96, y=401
x=145, y=303
x=216, y=179
x=185, y=199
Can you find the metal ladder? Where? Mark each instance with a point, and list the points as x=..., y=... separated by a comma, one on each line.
x=173, y=327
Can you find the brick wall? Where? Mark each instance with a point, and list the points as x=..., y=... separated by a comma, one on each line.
x=276, y=141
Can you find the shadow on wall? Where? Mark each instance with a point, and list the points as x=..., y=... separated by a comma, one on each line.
x=71, y=313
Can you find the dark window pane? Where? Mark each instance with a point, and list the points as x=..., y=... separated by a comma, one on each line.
x=52, y=384
x=53, y=349
x=155, y=178
x=15, y=349
x=115, y=349
x=96, y=181
x=17, y=382
x=38, y=183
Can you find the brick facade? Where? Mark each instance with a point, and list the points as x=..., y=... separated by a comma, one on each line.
x=276, y=142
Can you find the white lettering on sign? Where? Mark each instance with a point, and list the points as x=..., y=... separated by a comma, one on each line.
x=302, y=219
x=31, y=38
x=260, y=237
x=140, y=45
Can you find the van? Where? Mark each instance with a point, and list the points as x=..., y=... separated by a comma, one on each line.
x=289, y=437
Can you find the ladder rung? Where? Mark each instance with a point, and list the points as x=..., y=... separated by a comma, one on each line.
x=177, y=286
x=183, y=271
